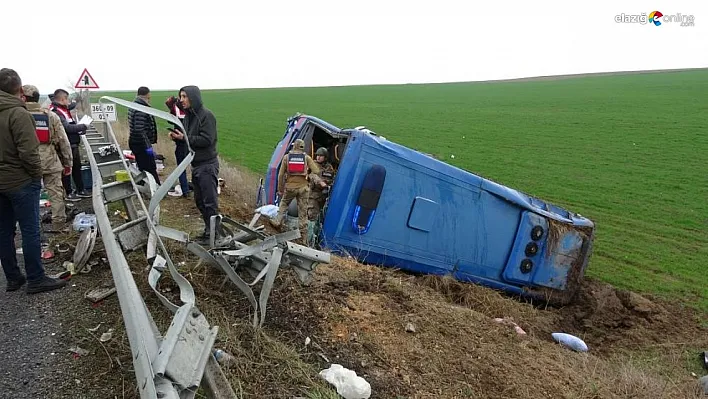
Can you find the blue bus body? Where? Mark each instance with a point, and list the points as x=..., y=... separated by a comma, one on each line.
x=396, y=207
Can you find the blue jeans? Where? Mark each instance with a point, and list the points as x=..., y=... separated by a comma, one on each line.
x=21, y=206
x=180, y=155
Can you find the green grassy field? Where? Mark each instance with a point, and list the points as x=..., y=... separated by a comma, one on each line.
x=627, y=151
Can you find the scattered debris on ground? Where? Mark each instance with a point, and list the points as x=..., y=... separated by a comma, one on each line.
x=404, y=335
x=428, y=336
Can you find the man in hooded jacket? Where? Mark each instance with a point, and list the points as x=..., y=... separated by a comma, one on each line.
x=20, y=184
x=200, y=124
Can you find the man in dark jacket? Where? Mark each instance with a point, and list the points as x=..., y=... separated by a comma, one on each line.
x=60, y=105
x=143, y=134
x=201, y=133
x=20, y=184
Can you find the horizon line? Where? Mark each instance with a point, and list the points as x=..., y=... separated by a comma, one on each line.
x=527, y=78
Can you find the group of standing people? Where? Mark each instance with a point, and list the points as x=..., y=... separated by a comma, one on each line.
x=200, y=135
x=38, y=146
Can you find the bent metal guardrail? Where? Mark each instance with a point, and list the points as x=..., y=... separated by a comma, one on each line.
x=173, y=365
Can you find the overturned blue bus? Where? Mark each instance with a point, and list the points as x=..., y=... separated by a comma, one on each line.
x=394, y=206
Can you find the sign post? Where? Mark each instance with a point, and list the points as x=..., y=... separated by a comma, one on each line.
x=85, y=82
x=103, y=112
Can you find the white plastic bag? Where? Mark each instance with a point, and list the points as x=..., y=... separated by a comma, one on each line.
x=348, y=384
x=83, y=221
x=268, y=210
x=570, y=341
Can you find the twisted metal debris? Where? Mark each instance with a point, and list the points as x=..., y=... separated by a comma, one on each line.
x=174, y=364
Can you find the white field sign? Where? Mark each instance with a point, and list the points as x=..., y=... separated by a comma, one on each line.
x=98, y=115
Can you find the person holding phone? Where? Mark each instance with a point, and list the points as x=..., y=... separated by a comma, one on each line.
x=175, y=107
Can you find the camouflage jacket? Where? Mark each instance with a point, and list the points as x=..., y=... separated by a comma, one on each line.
x=326, y=174
x=57, y=153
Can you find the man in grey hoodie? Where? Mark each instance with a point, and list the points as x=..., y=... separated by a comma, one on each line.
x=200, y=124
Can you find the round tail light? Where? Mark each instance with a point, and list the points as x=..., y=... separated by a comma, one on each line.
x=526, y=266
x=536, y=233
x=531, y=249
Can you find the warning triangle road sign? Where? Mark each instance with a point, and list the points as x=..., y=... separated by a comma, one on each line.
x=86, y=81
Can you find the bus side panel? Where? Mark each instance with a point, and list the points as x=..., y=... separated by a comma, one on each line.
x=424, y=219
x=434, y=220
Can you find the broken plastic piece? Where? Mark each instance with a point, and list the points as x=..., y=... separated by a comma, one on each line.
x=570, y=341
x=77, y=350
x=107, y=336
x=509, y=322
x=82, y=221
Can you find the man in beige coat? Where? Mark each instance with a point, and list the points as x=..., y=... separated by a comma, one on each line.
x=55, y=151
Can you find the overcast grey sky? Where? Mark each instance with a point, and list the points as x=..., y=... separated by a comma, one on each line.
x=232, y=44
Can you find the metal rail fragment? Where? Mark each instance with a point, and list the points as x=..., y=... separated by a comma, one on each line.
x=174, y=364
x=262, y=259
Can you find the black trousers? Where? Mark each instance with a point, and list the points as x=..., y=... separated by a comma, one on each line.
x=75, y=172
x=145, y=161
x=205, y=181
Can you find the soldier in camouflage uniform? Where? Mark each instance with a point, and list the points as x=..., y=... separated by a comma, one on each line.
x=295, y=169
x=320, y=184
x=55, y=151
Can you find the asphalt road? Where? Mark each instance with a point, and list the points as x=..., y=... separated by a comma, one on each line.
x=39, y=331
x=32, y=341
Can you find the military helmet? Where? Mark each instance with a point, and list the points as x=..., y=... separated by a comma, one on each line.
x=322, y=151
x=299, y=144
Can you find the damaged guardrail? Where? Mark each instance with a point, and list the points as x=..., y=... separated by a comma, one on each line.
x=262, y=258
x=169, y=366
x=173, y=365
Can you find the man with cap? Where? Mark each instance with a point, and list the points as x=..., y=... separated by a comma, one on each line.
x=20, y=185
x=60, y=106
x=320, y=184
x=293, y=176
x=55, y=151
